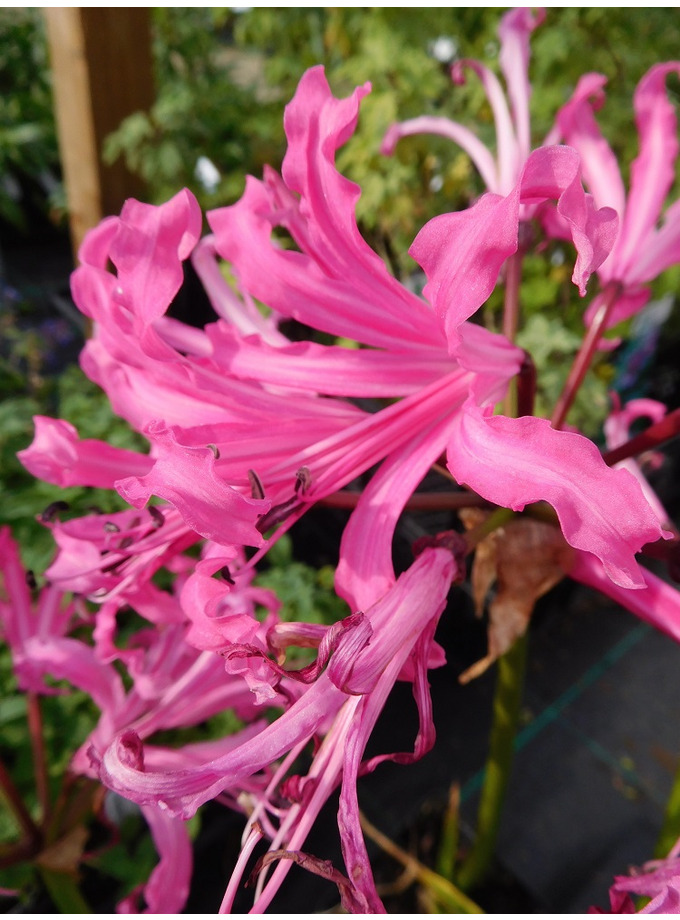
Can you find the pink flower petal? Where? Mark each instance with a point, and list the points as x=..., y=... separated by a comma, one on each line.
x=148, y=251
x=653, y=172
x=186, y=478
x=580, y=130
x=514, y=31
x=601, y=510
x=462, y=253
x=365, y=571
x=451, y=130
x=656, y=602
x=59, y=456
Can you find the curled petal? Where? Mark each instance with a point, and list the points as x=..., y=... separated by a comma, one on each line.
x=59, y=456
x=601, y=510
x=148, y=251
x=365, y=571
x=580, y=130
x=451, y=130
x=653, y=171
x=186, y=477
x=336, y=283
x=462, y=253
x=514, y=31
x=508, y=157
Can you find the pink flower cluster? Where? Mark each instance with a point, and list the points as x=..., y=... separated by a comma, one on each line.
x=248, y=429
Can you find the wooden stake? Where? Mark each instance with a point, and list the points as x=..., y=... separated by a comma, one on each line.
x=102, y=72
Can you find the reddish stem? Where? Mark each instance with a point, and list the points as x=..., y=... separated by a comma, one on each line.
x=526, y=386
x=419, y=501
x=35, y=729
x=513, y=276
x=651, y=437
x=16, y=803
x=584, y=358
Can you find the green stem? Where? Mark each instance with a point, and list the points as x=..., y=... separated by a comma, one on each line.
x=447, y=852
x=670, y=831
x=496, y=519
x=444, y=892
x=506, y=710
x=64, y=891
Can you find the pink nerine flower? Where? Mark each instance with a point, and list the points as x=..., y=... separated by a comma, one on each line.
x=648, y=241
x=210, y=401
x=658, y=879
x=337, y=284
x=392, y=639
x=171, y=685
x=512, y=124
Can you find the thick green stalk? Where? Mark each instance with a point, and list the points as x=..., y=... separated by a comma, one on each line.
x=506, y=711
x=670, y=831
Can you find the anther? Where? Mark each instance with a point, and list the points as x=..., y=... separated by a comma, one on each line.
x=215, y=449
x=226, y=574
x=52, y=510
x=303, y=480
x=110, y=527
x=30, y=579
x=157, y=516
x=256, y=487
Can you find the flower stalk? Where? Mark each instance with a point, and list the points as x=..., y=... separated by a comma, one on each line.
x=670, y=830
x=18, y=806
x=35, y=729
x=443, y=891
x=506, y=712
x=585, y=355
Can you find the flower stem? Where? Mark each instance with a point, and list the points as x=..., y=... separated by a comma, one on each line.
x=64, y=891
x=584, y=358
x=443, y=891
x=419, y=501
x=496, y=519
x=16, y=803
x=35, y=729
x=670, y=830
x=513, y=277
x=506, y=710
x=447, y=851
x=651, y=437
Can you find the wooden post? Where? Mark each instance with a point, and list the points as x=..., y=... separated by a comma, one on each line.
x=102, y=71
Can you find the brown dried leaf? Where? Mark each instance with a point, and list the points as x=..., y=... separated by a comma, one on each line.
x=525, y=558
